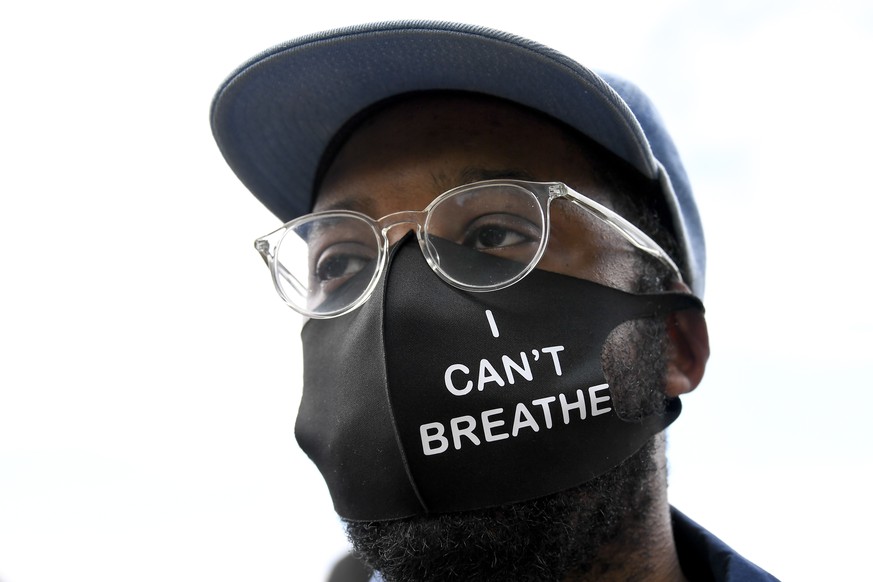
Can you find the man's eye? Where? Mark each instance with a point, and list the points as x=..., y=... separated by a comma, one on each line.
x=496, y=231
x=490, y=237
x=339, y=266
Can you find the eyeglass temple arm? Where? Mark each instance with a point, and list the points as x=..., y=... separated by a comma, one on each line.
x=265, y=250
x=631, y=233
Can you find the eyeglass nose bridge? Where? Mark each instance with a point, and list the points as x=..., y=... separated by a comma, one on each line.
x=415, y=218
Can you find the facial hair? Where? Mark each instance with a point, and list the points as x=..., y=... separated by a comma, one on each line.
x=543, y=539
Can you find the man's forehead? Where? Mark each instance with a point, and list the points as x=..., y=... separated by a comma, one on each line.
x=439, y=141
x=437, y=111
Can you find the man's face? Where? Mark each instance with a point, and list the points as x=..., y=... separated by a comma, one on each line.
x=401, y=159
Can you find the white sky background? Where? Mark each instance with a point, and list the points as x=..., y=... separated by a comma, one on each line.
x=149, y=377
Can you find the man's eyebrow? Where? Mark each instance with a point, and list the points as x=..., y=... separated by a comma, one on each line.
x=363, y=203
x=471, y=174
x=360, y=203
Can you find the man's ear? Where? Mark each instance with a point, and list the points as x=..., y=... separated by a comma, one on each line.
x=689, y=350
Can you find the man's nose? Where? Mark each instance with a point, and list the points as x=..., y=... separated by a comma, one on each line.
x=397, y=232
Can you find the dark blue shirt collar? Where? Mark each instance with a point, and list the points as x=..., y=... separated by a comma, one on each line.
x=704, y=557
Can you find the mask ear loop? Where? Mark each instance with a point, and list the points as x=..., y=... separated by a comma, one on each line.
x=662, y=306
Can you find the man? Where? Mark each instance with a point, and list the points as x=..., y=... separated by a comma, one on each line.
x=501, y=260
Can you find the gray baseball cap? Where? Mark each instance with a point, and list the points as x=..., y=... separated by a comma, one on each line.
x=275, y=116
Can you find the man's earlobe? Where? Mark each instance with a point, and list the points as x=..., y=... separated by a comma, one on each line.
x=689, y=351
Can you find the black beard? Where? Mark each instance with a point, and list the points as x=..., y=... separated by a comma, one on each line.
x=544, y=539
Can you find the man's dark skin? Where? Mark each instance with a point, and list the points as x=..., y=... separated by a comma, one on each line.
x=400, y=159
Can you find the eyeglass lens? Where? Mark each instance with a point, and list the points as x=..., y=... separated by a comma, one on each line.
x=326, y=262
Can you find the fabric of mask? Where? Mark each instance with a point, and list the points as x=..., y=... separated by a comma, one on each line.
x=428, y=399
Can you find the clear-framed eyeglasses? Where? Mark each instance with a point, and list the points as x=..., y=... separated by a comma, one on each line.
x=479, y=237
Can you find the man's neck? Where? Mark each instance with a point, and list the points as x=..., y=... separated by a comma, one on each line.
x=646, y=549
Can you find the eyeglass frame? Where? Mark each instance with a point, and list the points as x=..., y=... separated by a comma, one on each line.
x=544, y=193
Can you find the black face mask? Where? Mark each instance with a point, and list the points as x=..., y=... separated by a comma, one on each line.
x=429, y=399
